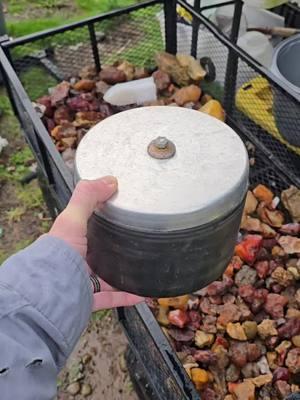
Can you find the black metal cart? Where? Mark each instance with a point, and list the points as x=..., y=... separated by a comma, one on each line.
x=31, y=64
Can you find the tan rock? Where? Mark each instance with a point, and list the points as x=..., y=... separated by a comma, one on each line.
x=244, y=391
x=292, y=313
x=169, y=64
x=295, y=272
x=187, y=94
x=283, y=277
x=236, y=331
x=295, y=388
x=162, y=316
x=199, y=377
x=128, y=69
x=290, y=244
x=250, y=328
x=229, y=397
x=84, y=85
x=194, y=69
x=291, y=200
x=203, y=339
x=296, y=340
x=251, y=203
x=284, y=345
x=272, y=358
x=261, y=380
x=188, y=367
x=267, y=328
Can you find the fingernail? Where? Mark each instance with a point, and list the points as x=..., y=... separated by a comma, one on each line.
x=110, y=180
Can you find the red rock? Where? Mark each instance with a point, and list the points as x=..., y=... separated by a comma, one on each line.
x=60, y=93
x=194, y=318
x=248, y=248
x=181, y=335
x=274, y=305
x=112, y=75
x=281, y=374
x=262, y=268
x=208, y=308
x=228, y=313
x=247, y=293
x=253, y=352
x=162, y=80
x=205, y=357
x=282, y=388
x=293, y=361
x=219, y=287
x=46, y=101
x=290, y=328
x=63, y=114
x=209, y=324
x=238, y=354
x=178, y=318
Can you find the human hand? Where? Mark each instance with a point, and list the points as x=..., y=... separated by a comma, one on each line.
x=71, y=226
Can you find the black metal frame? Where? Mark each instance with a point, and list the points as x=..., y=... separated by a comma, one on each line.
x=143, y=332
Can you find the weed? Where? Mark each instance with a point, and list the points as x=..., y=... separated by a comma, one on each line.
x=99, y=315
x=15, y=214
x=30, y=196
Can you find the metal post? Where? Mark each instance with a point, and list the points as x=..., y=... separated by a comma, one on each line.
x=2, y=20
x=232, y=61
x=195, y=31
x=94, y=47
x=170, y=26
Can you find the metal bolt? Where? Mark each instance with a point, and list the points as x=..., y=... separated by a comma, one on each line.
x=161, y=142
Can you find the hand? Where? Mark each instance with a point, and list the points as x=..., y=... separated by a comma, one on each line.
x=71, y=226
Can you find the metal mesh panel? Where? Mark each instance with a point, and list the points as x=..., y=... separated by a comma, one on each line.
x=259, y=111
x=135, y=36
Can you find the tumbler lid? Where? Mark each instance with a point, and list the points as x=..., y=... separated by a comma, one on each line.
x=177, y=168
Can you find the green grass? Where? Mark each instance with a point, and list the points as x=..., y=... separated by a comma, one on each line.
x=36, y=81
x=85, y=9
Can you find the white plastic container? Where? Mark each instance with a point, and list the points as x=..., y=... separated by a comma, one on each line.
x=257, y=45
x=133, y=92
x=264, y=3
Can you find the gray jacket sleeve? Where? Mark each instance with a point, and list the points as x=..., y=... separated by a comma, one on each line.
x=45, y=304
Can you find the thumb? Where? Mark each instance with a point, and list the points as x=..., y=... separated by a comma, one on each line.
x=87, y=196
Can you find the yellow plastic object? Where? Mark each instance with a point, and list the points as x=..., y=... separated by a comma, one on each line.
x=184, y=14
x=255, y=100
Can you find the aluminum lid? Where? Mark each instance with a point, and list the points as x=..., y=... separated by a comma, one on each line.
x=177, y=168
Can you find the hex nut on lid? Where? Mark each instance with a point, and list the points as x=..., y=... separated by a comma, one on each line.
x=177, y=168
